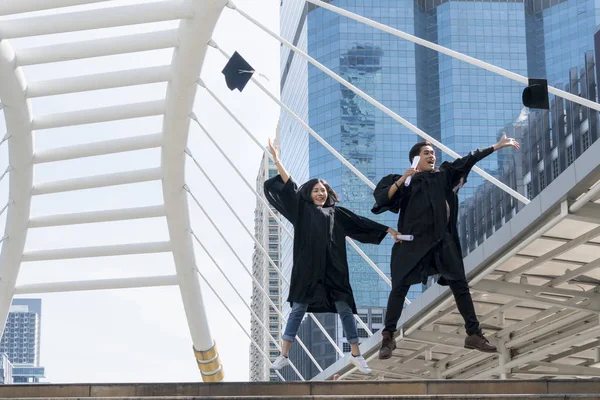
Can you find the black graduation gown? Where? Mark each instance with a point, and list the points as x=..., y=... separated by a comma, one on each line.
x=320, y=267
x=428, y=210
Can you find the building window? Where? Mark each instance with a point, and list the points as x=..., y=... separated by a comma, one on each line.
x=555, y=170
x=542, y=180
x=376, y=318
x=586, y=140
x=346, y=348
x=529, y=189
x=570, y=158
x=362, y=333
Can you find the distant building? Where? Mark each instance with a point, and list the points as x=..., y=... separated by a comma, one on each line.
x=21, y=340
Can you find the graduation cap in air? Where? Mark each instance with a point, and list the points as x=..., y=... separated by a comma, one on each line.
x=237, y=72
x=536, y=94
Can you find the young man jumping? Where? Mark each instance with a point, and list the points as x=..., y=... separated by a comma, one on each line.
x=428, y=209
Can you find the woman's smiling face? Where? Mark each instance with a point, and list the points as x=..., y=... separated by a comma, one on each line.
x=318, y=194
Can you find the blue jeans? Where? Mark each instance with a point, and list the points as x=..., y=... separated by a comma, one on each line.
x=343, y=309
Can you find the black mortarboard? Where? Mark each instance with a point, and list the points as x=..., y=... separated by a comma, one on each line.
x=536, y=94
x=237, y=72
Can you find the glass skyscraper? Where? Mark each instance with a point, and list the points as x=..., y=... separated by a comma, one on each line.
x=268, y=233
x=461, y=105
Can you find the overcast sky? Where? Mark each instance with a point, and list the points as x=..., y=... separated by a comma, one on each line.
x=141, y=335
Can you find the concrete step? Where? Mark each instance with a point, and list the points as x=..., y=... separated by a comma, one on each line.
x=430, y=389
x=349, y=397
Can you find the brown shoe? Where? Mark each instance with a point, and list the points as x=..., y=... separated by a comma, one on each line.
x=388, y=344
x=477, y=341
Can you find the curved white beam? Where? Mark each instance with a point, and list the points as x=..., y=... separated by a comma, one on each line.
x=98, y=284
x=95, y=115
x=107, y=80
x=17, y=114
x=97, y=181
x=97, y=48
x=96, y=19
x=98, y=148
x=186, y=66
x=9, y=7
x=97, y=251
x=91, y=217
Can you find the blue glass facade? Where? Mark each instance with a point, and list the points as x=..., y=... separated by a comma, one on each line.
x=372, y=142
x=463, y=106
x=293, y=139
x=475, y=106
x=561, y=46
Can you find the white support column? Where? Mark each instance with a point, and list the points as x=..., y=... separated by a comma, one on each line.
x=96, y=19
x=17, y=115
x=97, y=48
x=503, y=359
x=186, y=66
x=380, y=106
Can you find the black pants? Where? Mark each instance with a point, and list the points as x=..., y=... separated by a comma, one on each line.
x=462, y=295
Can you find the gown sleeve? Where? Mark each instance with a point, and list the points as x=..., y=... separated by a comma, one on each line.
x=283, y=196
x=360, y=228
x=457, y=170
x=382, y=202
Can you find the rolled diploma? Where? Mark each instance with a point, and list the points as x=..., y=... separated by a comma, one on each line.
x=414, y=165
x=405, y=237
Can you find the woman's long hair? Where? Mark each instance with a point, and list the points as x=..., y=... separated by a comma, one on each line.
x=306, y=189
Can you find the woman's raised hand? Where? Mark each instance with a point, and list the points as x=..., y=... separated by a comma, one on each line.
x=274, y=151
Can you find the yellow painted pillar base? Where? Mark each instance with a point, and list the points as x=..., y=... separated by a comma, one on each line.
x=209, y=364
